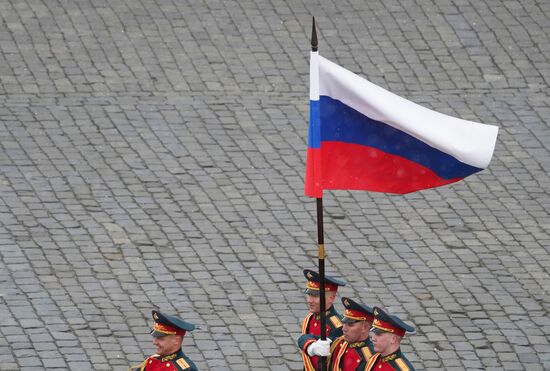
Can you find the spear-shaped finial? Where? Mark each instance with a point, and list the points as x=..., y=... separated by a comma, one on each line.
x=314, y=43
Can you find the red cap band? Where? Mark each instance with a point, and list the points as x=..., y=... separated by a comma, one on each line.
x=357, y=315
x=168, y=330
x=312, y=285
x=388, y=327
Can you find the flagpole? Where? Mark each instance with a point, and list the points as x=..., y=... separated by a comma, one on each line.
x=321, y=252
x=321, y=365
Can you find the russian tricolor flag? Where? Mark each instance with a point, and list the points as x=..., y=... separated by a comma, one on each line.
x=364, y=137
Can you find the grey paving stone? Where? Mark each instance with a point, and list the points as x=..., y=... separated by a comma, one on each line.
x=152, y=156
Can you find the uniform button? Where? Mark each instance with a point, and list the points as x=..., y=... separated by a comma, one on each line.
x=168, y=365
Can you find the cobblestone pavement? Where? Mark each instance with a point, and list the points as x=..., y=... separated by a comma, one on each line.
x=152, y=156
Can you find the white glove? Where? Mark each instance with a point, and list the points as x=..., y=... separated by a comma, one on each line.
x=319, y=348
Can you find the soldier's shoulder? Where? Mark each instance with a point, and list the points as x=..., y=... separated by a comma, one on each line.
x=403, y=364
x=184, y=363
x=142, y=365
x=336, y=320
x=337, y=342
x=367, y=351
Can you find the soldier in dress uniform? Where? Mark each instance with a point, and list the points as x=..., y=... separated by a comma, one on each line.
x=387, y=332
x=353, y=350
x=311, y=325
x=168, y=332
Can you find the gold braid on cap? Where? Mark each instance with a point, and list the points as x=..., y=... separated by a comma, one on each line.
x=353, y=315
x=163, y=329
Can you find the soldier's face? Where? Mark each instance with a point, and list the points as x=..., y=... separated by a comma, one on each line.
x=385, y=342
x=355, y=331
x=314, y=302
x=167, y=344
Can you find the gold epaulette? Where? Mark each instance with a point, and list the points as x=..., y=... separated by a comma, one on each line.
x=336, y=321
x=401, y=364
x=366, y=352
x=182, y=363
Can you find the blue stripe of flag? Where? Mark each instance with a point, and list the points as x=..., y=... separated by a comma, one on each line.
x=314, y=132
x=342, y=123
